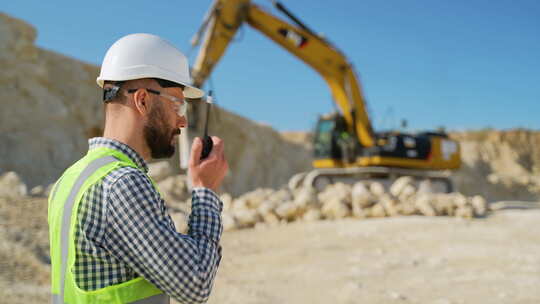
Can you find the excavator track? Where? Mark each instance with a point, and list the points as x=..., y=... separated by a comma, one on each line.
x=320, y=178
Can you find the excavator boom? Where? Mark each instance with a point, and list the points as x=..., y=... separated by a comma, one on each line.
x=226, y=16
x=345, y=144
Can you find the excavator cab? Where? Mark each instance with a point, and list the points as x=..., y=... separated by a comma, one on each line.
x=332, y=140
x=335, y=146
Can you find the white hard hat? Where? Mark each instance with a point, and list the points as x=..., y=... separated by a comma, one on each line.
x=139, y=56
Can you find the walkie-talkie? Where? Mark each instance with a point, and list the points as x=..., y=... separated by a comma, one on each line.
x=207, y=141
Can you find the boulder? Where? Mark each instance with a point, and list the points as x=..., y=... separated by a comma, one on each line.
x=180, y=221
x=239, y=204
x=377, y=210
x=228, y=221
x=37, y=191
x=271, y=219
x=390, y=205
x=443, y=203
x=479, y=205
x=459, y=199
x=424, y=204
x=312, y=215
x=227, y=201
x=245, y=218
x=360, y=212
x=466, y=212
x=400, y=184
x=256, y=197
x=48, y=189
x=377, y=189
x=361, y=197
x=11, y=186
x=337, y=191
x=159, y=171
x=174, y=189
x=407, y=208
x=282, y=195
x=267, y=207
x=287, y=211
x=305, y=196
x=425, y=186
x=408, y=191
x=335, y=208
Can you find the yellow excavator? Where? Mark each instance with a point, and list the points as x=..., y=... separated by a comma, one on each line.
x=345, y=144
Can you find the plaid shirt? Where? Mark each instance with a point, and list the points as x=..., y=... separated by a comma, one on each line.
x=124, y=231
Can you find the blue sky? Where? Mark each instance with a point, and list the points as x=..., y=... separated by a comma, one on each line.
x=458, y=64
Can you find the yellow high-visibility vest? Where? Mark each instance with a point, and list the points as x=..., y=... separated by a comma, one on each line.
x=63, y=204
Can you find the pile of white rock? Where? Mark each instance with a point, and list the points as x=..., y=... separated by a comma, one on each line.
x=267, y=207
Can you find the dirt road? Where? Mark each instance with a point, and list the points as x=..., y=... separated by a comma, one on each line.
x=390, y=260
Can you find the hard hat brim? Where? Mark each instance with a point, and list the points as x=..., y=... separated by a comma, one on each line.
x=193, y=92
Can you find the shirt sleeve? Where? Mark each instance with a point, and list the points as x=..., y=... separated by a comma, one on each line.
x=140, y=234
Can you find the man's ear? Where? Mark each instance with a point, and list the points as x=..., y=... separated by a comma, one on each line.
x=141, y=100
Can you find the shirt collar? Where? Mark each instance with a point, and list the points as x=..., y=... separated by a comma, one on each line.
x=102, y=142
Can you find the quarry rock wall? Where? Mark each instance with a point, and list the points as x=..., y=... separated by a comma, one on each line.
x=499, y=165
x=51, y=106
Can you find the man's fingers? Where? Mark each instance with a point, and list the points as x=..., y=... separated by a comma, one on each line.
x=196, y=148
x=211, y=171
x=218, y=146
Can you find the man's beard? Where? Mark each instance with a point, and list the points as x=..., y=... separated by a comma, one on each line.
x=158, y=137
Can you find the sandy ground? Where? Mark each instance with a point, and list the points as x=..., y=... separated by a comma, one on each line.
x=408, y=259
x=390, y=260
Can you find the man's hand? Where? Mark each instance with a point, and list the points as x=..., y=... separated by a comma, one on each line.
x=208, y=172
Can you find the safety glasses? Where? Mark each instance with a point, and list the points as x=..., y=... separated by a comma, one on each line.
x=182, y=105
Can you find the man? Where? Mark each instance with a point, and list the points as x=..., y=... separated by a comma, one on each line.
x=112, y=239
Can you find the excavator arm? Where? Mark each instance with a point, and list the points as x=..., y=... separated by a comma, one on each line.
x=226, y=16
x=336, y=157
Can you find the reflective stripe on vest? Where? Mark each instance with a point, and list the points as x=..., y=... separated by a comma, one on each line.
x=157, y=299
x=66, y=224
